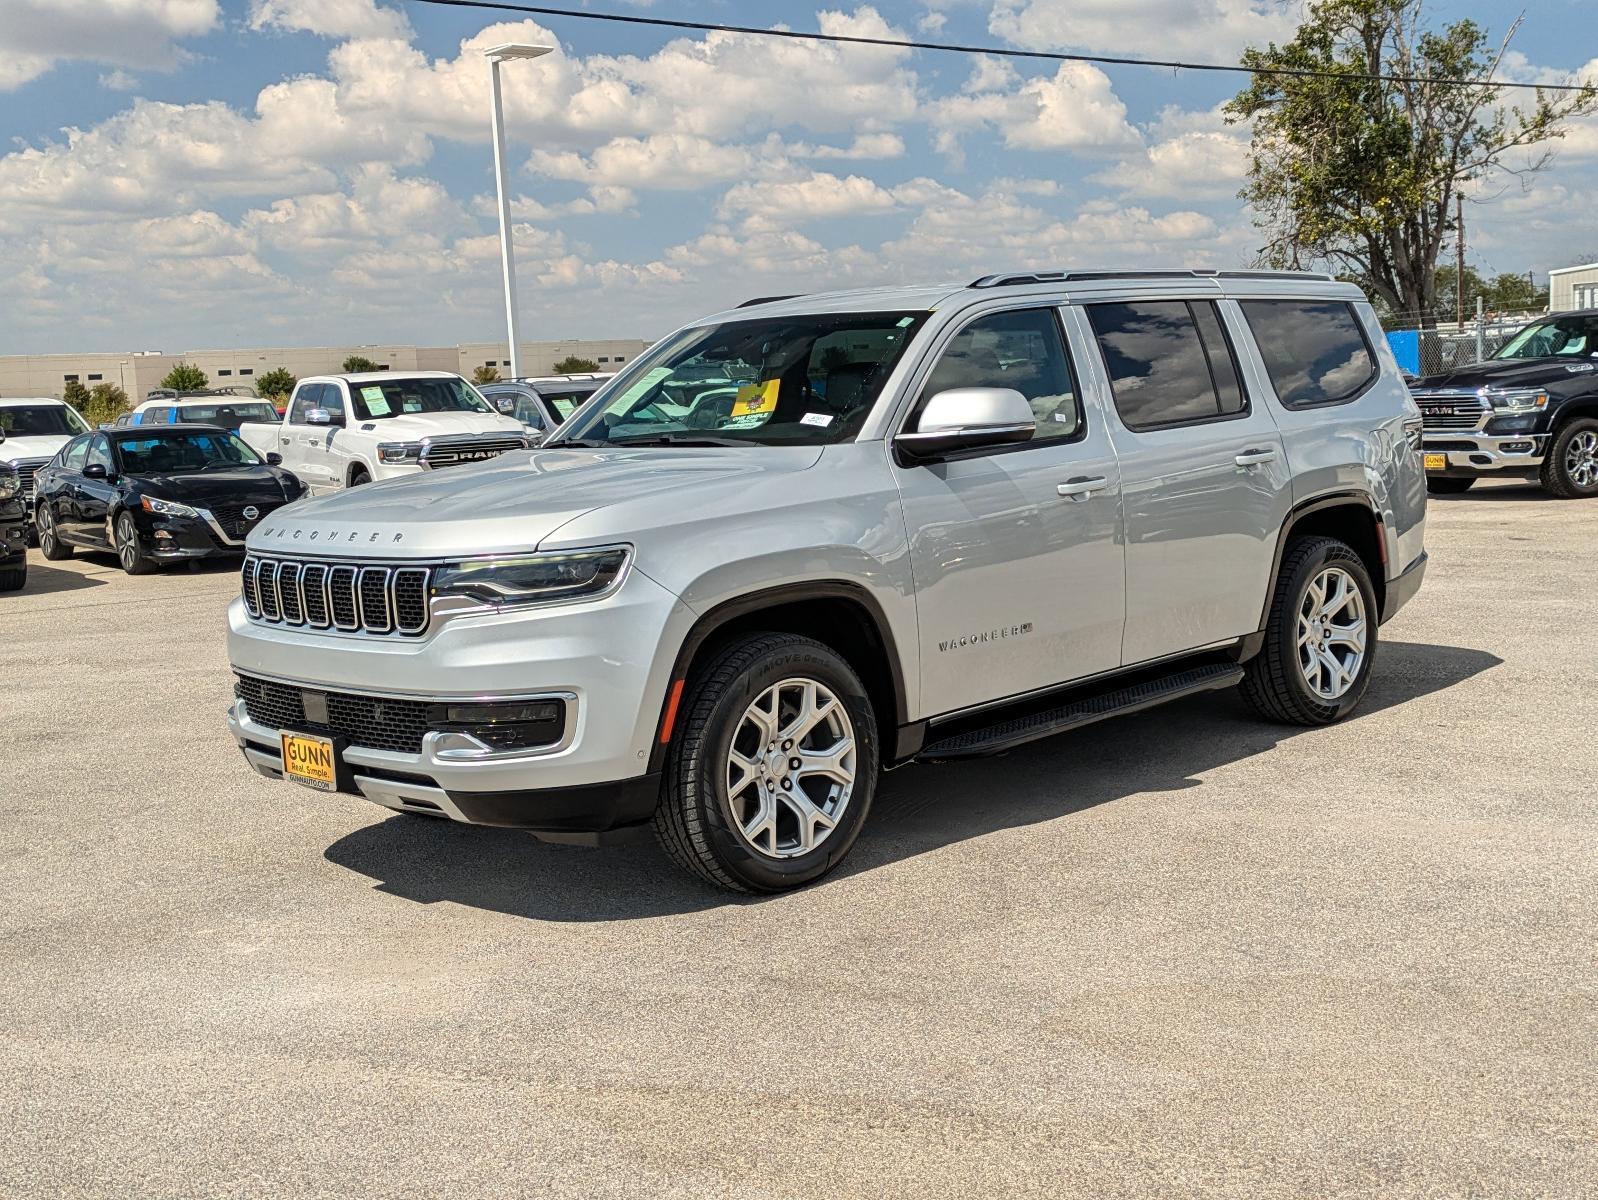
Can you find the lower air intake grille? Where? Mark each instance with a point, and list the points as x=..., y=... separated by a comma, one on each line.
x=375, y=722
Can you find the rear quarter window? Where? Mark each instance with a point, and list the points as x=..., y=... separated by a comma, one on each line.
x=1314, y=350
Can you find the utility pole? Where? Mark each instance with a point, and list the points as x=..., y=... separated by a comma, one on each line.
x=1459, y=261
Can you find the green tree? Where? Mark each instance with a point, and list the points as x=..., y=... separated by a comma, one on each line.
x=359, y=362
x=1503, y=293
x=185, y=377
x=572, y=365
x=106, y=403
x=485, y=375
x=1361, y=173
x=76, y=395
x=276, y=382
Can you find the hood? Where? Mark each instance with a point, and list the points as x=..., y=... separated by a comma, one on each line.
x=516, y=501
x=241, y=484
x=413, y=427
x=1511, y=373
x=39, y=446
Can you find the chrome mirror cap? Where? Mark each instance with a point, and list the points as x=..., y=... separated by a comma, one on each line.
x=967, y=418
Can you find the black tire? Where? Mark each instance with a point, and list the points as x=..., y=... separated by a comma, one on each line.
x=50, y=543
x=359, y=476
x=14, y=578
x=1274, y=682
x=129, y=552
x=694, y=822
x=1556, y=476
x=1441, y=485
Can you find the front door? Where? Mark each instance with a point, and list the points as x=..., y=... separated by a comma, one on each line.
x=95, y=496
x=307, y=448
x=1016, y=551
x=1204, y=478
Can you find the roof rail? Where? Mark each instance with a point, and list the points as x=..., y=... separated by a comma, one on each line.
x=768, y=300
x=1025, y=277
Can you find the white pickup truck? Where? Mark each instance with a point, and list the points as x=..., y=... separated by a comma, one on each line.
x=344, y=430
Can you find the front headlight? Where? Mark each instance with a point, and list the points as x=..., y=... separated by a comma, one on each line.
x=535, y=579
x=1517, y=400
x=10, y=485
x=167, y=508
x=399, y=452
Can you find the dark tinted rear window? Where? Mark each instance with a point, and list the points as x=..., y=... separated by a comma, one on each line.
x=1314, y=350
x=1169, y=362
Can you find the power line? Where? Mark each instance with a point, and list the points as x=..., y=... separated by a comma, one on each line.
x=545, y=10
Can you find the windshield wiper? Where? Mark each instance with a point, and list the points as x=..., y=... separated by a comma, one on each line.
x=674, y=439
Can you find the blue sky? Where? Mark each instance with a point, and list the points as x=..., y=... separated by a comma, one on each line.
x=179, y=174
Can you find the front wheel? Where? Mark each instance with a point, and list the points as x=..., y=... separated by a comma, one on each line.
x=1439, y=485
x=773, y=767
x=129, y=552
x=1320, y=637
x=359, y=476
x=1571, y=469
x=50, y=543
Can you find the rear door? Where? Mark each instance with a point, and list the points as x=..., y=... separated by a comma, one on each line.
x=1205, y=484
x=1016, y=551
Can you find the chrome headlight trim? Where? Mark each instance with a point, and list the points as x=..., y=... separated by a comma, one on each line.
x=512, y=582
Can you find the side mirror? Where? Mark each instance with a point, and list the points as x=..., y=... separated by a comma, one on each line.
x=274, y=459
x=95, y=471
x=324, y=416
x=966, y=419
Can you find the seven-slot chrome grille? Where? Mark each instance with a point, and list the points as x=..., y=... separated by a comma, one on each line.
x=352, y=597
x=1450, y=412
x=450, y=452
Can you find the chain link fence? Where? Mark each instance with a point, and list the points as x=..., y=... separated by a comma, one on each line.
x=1447, y=346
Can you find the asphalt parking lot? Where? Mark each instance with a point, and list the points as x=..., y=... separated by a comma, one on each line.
x=1185, y=954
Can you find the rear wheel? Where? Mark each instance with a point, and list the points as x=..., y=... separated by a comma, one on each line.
x=50, y=543
x=773, y=768
x=13, y=578
x=129, y=552
x=1320, y=637
x=1439, y=485
x=1571, y=469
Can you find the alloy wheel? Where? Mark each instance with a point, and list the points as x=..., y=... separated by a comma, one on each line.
x=791, y=768
x=127, y=543
x=44, y=525
x=1581, y=459
x=1332, y=633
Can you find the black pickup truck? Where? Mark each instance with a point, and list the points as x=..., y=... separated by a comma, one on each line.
x=1528, y=412
x=13, y=529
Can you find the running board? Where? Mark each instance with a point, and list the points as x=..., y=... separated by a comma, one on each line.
x=1006, y=735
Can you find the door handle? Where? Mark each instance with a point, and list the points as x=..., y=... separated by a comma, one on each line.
x=1081, y=489
x=284, y=441
x=1252, y=458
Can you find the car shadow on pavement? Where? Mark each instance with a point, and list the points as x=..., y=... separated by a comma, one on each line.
x=917, y=810
x=44, y=580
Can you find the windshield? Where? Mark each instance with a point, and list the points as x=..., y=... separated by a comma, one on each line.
x=401, y=397
x=1562, y=337
x=166, y=453
x=229, y=416
x=808, y=380
x=40, y=420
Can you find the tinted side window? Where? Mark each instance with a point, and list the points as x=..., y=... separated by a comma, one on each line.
x=100, y=452
x=76, y=451
x=1023, y=350
x=1314, y=350
x=1169, y=362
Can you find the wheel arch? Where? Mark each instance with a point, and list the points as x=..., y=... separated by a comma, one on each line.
x=1350, y=517
x=838, y=613
x=1574, y=409
x=358, y=464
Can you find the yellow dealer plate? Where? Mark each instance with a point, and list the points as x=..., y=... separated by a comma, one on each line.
x=1437, y=462
x=308, y=759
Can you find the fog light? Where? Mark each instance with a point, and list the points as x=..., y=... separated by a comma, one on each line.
x=162, y=533
x=1516, y=448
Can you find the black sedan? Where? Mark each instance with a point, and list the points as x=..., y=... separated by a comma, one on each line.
x=157, y=495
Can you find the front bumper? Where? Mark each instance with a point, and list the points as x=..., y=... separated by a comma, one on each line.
x=607, y=659
x=14, y=529
x=1401, y=589
x=169, y=538
x=1473, y=454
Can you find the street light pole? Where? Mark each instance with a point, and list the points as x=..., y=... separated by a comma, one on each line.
x=497, y=55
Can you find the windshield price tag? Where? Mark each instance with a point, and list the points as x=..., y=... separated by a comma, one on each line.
x=376, y=403
x=638, y=388
x=821, y=419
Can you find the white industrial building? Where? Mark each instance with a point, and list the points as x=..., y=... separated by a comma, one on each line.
x=1573, y=287
x=136, y=372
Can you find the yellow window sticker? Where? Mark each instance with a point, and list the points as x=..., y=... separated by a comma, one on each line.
x=757, y=399
x=376, y=402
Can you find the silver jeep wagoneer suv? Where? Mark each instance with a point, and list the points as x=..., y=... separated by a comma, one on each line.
x=818, y=536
